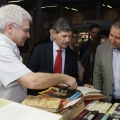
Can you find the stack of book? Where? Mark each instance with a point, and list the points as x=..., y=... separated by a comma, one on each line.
x=102, y=111
x=59, y=100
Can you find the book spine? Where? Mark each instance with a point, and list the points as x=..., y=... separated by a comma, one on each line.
x=99, y=116
x=82, y=115
x=113, y=108
x=86, y=116
x=97, y=106
x=107, y=108
x=92, y=115
x=103, y=107
x=117, y=111
x=105, y=117
x=89, y=106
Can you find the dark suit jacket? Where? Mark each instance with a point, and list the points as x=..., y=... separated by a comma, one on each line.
x=41, y=60
x=47, y=40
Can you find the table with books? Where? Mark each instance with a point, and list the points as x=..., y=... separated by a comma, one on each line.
x=72, y=104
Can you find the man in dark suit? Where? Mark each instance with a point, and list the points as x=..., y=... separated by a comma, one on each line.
x=44, y=55
x=93, y=29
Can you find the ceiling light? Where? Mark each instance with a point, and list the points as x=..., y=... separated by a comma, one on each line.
x=109, y=6
x=52, y=6
x=15, y=1
x=74, y=9
x=43, y=7
x=103, y=4
x=67, y=8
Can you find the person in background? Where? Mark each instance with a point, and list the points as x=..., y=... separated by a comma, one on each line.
x=106, y=75
x=74, y=40
x=15, y=77
x=87, y=62
x=93, y=30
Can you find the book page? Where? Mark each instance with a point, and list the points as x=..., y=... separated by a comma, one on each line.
x=16, y=111
x=85, y=90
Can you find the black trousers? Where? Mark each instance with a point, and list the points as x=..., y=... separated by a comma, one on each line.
x=115, y=100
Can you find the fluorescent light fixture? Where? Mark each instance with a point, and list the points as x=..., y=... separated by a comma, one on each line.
x=51, y=6
x=74, y=9
x=43, y=7
x=67, y=8
x=103, y=4
x=15, y=1
x=109, y=6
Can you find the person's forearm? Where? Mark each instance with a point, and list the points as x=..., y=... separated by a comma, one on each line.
x=45, y=80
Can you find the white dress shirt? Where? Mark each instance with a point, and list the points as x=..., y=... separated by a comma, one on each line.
x=11, y=68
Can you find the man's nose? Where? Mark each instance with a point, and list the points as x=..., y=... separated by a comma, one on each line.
x=28, y=35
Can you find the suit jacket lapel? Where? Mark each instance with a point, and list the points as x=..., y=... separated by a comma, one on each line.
x=67, y=60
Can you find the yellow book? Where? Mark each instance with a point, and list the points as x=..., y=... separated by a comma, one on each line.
x=113, y=108
x=107, y=108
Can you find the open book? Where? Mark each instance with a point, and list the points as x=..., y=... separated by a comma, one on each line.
x=55, y=99
x=91, y=94
x=14, y=111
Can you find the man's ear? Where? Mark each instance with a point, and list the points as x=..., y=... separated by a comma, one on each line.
x=9, y=28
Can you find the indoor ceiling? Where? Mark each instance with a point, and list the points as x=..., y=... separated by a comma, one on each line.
x=76, y=4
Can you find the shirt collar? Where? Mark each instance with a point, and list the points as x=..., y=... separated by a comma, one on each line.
x=7, y=40
x=56, y=47
x=116, y=50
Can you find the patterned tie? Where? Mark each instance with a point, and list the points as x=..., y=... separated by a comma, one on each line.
x=58, y=63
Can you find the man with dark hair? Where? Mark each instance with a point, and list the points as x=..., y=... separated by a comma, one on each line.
x=43, y=58
x=93, y=29
x=106, y=76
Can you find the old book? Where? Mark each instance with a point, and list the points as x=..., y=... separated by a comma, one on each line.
x=43, y=102
x=116, y=112
x=106, y=109
x=97, y=106
x=112, y=109
x=91, y=94
x=99, y=116
x=82, y=114
x=54, y=99
x=91, y=104
x=13, y=111
x=76, y=110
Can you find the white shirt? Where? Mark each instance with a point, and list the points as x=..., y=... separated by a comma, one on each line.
x=11, y=68
x=55, y=48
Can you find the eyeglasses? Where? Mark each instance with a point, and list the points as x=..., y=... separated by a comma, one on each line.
x=26, y=30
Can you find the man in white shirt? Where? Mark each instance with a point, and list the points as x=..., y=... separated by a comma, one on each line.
x=15, y=77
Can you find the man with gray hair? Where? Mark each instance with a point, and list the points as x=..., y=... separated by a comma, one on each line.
x=15, y=77
x=43, y=58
